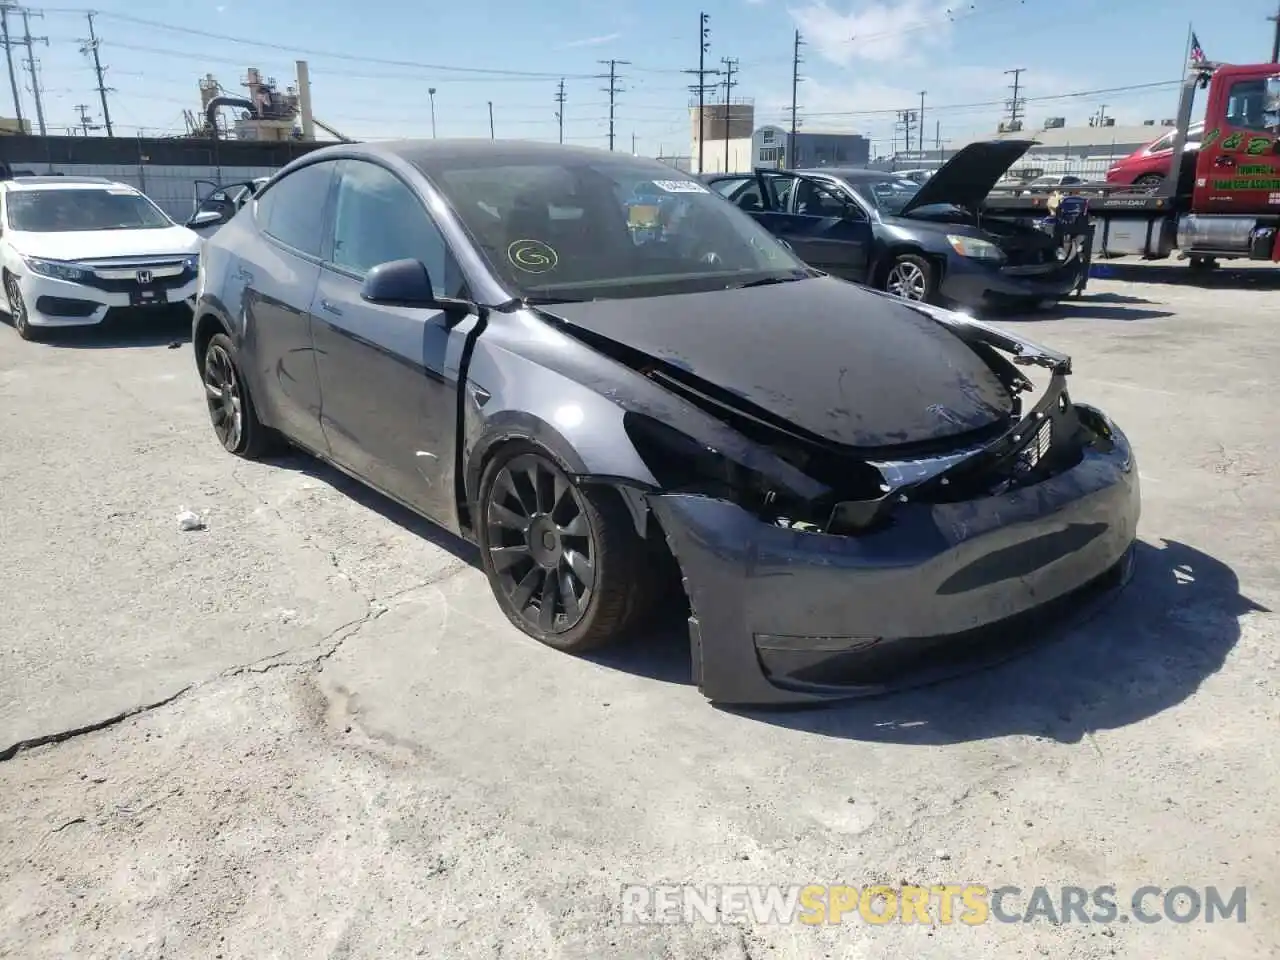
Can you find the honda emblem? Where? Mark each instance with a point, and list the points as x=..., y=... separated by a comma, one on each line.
x=144, y=276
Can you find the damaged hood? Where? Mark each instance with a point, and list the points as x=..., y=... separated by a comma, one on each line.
x=831, y=359
x=967, y=178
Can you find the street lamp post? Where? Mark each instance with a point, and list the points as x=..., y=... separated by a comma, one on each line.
x=431, y=92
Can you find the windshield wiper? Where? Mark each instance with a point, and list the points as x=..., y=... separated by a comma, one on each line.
x=765, y=282
x=548, y=301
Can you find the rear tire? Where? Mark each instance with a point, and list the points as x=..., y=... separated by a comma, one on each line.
x=1149, y=180
x=564, y=560
x=231, y=410
x=912, y=277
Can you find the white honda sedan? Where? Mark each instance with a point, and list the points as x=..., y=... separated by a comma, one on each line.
x=75, y=249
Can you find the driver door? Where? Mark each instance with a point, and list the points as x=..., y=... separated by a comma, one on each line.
x=1238, y=167
x=827, y=229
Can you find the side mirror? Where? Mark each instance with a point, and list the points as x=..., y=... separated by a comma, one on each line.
x=207, y=218
x=406, y=283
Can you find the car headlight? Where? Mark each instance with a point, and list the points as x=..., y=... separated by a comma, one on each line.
x=975, y=249
x=55, y=269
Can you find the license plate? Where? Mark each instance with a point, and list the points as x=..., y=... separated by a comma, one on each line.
x=145, y=298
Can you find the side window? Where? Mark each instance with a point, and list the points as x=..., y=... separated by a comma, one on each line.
x=292, y=211
x=377, y=219
x=1246, y=105
x=727, y=188
x=814, y=200
x=748, y=196
x=780, y=188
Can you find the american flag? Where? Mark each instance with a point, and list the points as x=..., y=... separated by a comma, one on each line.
x=1197, y=52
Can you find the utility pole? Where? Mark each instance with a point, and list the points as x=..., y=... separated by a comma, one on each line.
x=491, y=134
x=796, y=60
x=633, y=143
x=922, y=93
x=730, y=68
x=33, y=65
x=560, y=98
x=1275, y=43
x=86, y=121
x=613, y=90
x=1015, y=105
x=700, y=88
x=5, y=7
x=431, y=92
x=907, y=118
x=90, y=47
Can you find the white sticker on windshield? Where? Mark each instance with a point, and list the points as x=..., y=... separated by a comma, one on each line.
x=680, y=186
x=121, y=192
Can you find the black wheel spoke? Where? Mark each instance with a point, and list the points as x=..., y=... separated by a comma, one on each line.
x=525, y=589
x=582, y=568
x=568, y=596
x=576, y=527
x=547, y=603
x=504, y=558
x=531, y=476
x=507, y=519
x=559, y=490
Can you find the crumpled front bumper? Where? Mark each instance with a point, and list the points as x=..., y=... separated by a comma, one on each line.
x=781, y=616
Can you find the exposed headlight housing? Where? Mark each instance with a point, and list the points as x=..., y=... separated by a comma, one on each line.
x=55, y=269
x=975, y=249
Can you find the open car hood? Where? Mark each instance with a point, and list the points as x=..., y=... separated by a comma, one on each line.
x=970, y=175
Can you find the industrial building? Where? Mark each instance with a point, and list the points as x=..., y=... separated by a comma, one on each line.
x=771, y=146
x=726, y=127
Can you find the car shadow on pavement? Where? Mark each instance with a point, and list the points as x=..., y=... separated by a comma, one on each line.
x=174, y=330
x=1170, y=629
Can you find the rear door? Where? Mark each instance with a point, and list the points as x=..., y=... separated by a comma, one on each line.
x=1238, y=169
x=825, y=228
x=277, y=272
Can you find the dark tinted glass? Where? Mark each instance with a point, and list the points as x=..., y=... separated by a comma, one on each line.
x=292, y=211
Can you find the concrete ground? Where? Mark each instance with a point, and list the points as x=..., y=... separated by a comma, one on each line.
x=306, y=731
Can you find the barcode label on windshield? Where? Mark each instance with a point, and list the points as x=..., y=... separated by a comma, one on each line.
x=679, y=186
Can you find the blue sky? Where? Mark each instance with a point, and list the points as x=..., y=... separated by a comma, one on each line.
x=863, y=60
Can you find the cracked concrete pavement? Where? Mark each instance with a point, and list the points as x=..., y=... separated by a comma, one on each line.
x=306, y=731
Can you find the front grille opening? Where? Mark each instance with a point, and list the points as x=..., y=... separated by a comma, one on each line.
x=65, y=307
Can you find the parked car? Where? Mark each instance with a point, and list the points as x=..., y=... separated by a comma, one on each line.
x=486, y=333
x=1149, y=166
x=925, y=242
x=73, y=250
x=1055, y=181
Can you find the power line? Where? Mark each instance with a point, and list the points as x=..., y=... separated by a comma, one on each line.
x=312, y=52
x=560, y=98
x=90, y=46
x=613, y=90
x=1016, y=104
x=700, y=88
x=796, y=60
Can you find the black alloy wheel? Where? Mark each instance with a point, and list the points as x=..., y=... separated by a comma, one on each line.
x=564, y=561
x=18, y=308
x=231, y=411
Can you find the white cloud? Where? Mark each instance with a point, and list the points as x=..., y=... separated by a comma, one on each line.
x=896, y=30
x=594, y=41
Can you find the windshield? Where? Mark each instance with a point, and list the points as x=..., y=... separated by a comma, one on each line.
x=65, y=210
x=890, y=196
x=585, y=229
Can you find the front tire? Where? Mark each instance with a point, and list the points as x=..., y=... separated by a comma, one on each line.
x=18, y=309
x=231, y=411
x=912, y=277
x=564, y=560
x=1149, y=180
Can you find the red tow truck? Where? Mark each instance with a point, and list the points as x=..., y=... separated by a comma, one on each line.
x=1223, y=204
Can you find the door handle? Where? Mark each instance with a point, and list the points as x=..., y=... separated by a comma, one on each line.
x=329, y=308
x=1223, y=161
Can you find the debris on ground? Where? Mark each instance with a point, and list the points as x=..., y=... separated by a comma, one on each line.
x=190, y=520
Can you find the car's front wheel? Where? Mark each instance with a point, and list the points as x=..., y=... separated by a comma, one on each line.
x=1149, y=180
x=911, y=277
x=231, y=410
x=18, y=309
x=564, y=560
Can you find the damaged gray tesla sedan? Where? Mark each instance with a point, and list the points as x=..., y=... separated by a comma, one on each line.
x=593, y=367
